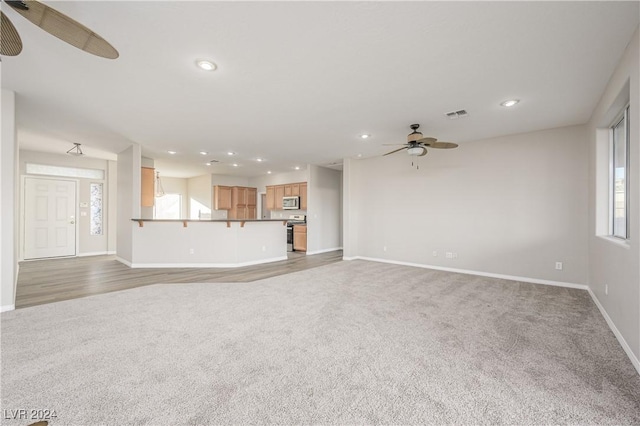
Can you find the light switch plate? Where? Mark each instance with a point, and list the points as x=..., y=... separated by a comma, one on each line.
x=84, y=204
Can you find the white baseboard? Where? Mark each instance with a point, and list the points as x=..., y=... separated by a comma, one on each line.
x=111, y=252
x=616, y=332
x=323, y=250
x=94, y=253
x=470, y=272
x=202, y=265
x=7, y=308
x=121, y=260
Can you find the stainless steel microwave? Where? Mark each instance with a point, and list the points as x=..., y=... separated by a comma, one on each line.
x=291, y=203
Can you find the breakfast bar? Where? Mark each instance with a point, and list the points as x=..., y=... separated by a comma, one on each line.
x=225, y=243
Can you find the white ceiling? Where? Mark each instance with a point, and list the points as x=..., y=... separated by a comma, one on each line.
x=298, y=82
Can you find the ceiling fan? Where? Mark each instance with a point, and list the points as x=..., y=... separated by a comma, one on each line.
x=56, y=24
x=417, y=144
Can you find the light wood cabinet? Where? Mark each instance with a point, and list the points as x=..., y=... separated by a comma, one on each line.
x=279, y=194
x=252, y=197
x=147, y=195
x=276, y=192
x=300, y=237
x=222, y=197
x=271, y=198
x=303, y=196
x=243, y=203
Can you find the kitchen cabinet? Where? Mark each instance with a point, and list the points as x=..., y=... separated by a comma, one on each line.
x=147, y=194
x=243, y=203
x=279, y=193
x=222, y=197
x=271, y=198
x=300, y=237
x=276, y=192
x=303, y=195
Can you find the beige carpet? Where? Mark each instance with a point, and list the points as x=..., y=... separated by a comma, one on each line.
x=352, y=342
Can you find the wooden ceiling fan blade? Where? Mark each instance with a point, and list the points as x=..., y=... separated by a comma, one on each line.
x=396, y=150
x=427, y=141
x=394, y=144
x=64, y=28
x=10, y=43
x=442, y=145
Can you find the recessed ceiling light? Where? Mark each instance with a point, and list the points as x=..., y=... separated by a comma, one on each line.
x=510, y=102
x=231, y=153
x=359, y=156
x=207, y=164
x=206, y=65
x=235, y=164
x=268, y=172
x=171, y=152
x=297, y=167
x=365, y=136
x=203, y=152
x=259, y=160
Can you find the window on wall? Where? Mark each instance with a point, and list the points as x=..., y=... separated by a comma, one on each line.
x=619, y=182
x=96, y=209
x=169, y=206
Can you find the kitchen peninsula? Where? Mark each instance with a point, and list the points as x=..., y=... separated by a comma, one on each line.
x=224, y=243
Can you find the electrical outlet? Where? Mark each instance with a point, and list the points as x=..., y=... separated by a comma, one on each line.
x=606, y=289
x=435, y=253
x=264, y=248
x=558, y=266
x=454, y=255
x=449, y=255
x=191, y=251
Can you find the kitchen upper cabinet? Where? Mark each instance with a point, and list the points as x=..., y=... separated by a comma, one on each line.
x=279, y=195
x=271, y=198
x=252, y=197
x=243, y=203
x=222, y=197
x=276, y=192
x=300, y=237
x=303, y=196
x=147, y=194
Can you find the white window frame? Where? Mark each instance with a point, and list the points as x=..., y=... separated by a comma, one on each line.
x=624, y=115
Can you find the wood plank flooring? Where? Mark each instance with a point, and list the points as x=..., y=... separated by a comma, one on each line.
x=53, y=280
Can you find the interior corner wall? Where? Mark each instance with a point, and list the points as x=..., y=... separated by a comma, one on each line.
x=324, y=210
x=617, y=266
x=350, y=212
x=129, y=180
x=8, y=198
x=510, y=206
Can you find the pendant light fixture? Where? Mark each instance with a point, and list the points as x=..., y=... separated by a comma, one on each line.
x=159, y=189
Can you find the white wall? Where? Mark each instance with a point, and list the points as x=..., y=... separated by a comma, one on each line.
x=129, y=180
x=112, y=205
x=200, y=200
x=324, y=210
x=87, y=243
x=513, y=206
x=180, y=186
x=616, y=265
x=8, y=198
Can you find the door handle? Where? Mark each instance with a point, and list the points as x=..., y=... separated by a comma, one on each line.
x=72, y=222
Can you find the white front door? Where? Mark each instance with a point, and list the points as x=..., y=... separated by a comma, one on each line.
x=50, y=218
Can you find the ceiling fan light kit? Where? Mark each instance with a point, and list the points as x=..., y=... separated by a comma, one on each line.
x=56, y=24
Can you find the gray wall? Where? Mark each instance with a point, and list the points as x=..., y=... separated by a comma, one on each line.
x=8, y=195
x=324, y=210
x=513, y=206
x=614, y=264
x=129, y=180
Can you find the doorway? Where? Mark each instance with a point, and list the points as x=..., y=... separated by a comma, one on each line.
x=264, y=213
x=49, y=218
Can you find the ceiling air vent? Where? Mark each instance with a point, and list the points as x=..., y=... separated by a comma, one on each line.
x=456, y=114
